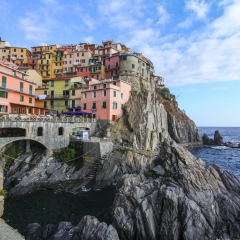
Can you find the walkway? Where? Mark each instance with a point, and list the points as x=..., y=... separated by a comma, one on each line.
x=8, y=233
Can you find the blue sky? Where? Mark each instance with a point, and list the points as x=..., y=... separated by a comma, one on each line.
x=194, y=44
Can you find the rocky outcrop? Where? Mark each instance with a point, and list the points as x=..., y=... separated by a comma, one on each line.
x=207, y=140
x=218, y=140
x=185, y=199
x=89, y=228
x=150, y=118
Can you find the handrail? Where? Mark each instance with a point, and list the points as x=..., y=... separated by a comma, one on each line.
x=45, y=119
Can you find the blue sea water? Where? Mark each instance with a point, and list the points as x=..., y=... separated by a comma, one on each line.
x=227, y=158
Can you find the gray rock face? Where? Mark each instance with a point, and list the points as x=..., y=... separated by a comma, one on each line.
x=89, y=228
x=218, y=140
x=192, y=200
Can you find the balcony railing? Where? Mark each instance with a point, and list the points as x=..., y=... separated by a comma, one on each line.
x=58, y=96
x=77, y=64
x=20, y=58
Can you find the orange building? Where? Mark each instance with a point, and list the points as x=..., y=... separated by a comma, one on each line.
x=17, y=92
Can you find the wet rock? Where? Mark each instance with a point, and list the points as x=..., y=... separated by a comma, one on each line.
x=193, y=200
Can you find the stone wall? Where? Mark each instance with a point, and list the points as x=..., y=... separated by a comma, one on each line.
x=1, y=187
x=50, y=138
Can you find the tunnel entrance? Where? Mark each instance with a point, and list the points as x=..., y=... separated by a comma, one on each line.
x=12, y=132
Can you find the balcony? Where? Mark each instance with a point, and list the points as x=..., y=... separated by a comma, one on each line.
x=32, y=63
x=77, y=64
x=13, y=58
x=58, y=96
x=20, y=58
x=79, y=85
x=59, y=106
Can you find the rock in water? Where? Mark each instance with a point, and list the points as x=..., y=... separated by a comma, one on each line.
x=207, y=140
x=218, y=140
x=192, y=200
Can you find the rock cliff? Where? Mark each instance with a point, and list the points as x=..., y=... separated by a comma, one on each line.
x=150, y=117
x=185, y=199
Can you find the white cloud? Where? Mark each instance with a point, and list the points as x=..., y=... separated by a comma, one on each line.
x=186, y=23
x=89, y=22
x=199, y=7
x=164, y=16
x=88, y=39
x=210, y=54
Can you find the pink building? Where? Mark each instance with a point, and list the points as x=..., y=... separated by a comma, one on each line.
x=112, y=66
x=17, y=92
x=105, y=99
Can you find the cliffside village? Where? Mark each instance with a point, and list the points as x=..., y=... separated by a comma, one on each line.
x=77, y=79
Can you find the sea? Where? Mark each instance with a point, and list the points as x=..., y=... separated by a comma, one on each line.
x=226, y=157
x=47, y=206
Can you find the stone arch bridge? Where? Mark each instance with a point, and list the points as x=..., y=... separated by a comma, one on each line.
x=53, y=133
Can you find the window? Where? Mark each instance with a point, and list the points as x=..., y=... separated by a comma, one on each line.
x=111, y=73
x=52, y=83
x=133, y=66
x=108, y=66
x=73, y=103
x=3, y=94
x=104, y=93
x=66, y=83
x=21, y=50
x=66, y=103
x=70, y=62
x=121, y=95
x=84, y=106
x=52, y=103
x=21, y=86
x=97, y=77
x=39, y=131
x=143, y=64
x=116, y=72
x=142, y=71
x=85, y=95
x=114, y=105
x=60, y=131
x=4, y=81
x=114, y=93
x=94, y=105
x=30, y=89
x=104, y=85
x=122, y=106
x=104, y=104
x=49, y=56
x=83, y=54
x=14, y=49
x=47, y=61
x=30, y=100
x=56, y=64
x=99, y=68
x=116, y=64
x=124, y=58
x=77, y=54
x=94, y=94
x=114, y=83
x=21, y=98
x=95, y=87
x=73, y=92
x=45, y=104
x=109, y=60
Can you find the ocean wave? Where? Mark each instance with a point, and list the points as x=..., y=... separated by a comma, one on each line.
x=220, y=147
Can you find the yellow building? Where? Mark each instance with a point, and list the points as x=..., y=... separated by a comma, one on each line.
x=19, y=56
x=50, y=62
x=42, y=98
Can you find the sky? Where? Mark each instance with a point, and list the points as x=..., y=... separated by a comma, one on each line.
x=193, y=44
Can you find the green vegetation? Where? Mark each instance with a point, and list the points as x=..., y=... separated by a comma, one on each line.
x=12, y=153
x=162, y=91
x=67, y=154
x=125, y=150
x=150, y=173
x=3, y=193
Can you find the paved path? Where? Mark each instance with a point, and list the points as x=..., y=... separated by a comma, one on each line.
x=8, y=233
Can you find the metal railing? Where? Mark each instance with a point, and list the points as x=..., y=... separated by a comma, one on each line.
x=39, y=118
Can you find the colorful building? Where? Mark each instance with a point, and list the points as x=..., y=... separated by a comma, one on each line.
x=105, y=99
x=4, y=50
x=17, y=92
x=112, y=66
x=19, y=56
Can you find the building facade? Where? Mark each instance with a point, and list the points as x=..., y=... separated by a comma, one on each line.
x=106, y=99
x=17, y=92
